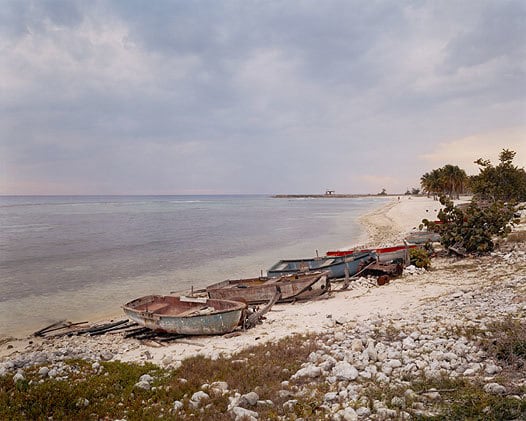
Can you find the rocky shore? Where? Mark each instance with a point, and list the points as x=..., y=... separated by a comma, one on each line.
x=438, y=340
x=384, y=355
x=408, y=350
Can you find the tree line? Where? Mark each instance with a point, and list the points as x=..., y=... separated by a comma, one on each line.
x=504, y=181
x=492, y=212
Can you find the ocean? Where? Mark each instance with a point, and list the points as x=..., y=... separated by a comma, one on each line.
x=81, y=257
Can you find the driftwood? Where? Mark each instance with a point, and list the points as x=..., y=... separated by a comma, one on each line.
x=101, y=328
x=253, y=319
x=190, y=343
x=114, y=329
x=458, y=249
x=438, y=391
x=55, y=327
x=132, y=333
x=46, y=329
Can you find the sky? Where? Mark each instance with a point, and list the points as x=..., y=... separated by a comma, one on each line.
x=255, y=97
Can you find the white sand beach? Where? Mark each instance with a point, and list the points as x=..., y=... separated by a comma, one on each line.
x=385, y=226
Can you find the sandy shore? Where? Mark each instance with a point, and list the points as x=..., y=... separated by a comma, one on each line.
x=385, y=226
x=422, y=325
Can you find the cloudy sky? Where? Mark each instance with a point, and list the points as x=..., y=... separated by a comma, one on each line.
x=190, y=97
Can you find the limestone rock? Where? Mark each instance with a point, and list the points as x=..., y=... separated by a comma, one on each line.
x=143, y=385
x=244, y=414
x=146, y=378
x=289, y=405
x=495, y=389
x=310, y=371
x=197, y=398
x=249, y=399
x=344, y=371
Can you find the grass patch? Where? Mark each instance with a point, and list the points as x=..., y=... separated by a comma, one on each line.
x=462, y=399
x=507, y=342
x=110, y=394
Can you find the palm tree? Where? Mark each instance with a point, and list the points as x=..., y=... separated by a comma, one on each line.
x=432, y=183
x=454, y=180
x=450, y=180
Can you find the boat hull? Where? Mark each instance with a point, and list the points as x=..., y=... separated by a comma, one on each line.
x=385, y=254
x=185, y=316
x=422, y=237
x=336, y=265
x=260, y=290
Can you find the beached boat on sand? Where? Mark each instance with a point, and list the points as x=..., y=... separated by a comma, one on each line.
x=385, y=254
x=336, y=265
x=185, y=315
x=422, y=237
x=259, y=290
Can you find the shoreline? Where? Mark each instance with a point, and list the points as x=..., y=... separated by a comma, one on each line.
x=382, y=226
x=412, y=347
x=331, y=196
x=345, y=228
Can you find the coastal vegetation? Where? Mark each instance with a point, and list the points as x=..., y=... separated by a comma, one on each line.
x=109, y=390
x=420, y=258
x=503, y=182
x=449, y=180
x=472, y=229
x=492, y=212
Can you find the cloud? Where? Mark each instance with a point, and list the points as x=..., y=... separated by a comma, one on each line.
x=249, y=97
x=464, y=151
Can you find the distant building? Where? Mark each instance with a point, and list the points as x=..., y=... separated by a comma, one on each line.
x=329, y=192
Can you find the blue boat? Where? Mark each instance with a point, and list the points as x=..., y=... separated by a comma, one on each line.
x=334, y=264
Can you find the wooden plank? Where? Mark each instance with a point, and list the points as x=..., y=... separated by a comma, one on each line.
x=47, y=328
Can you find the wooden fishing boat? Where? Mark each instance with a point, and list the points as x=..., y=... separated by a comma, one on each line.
x=422, y=237
x=185, y=315
x=385, y=254
x=336, y=265
x=259, y=290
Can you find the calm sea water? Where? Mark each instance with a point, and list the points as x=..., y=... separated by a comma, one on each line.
x=82, y=257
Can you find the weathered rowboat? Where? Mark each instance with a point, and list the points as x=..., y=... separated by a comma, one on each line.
x=259, y=290
x=185, y=315
x=336, y=265
x=422, y=237
x=385, y=254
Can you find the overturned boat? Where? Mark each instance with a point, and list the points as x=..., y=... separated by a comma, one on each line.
x=293, y=287
x=185, y=315
x=338, y=266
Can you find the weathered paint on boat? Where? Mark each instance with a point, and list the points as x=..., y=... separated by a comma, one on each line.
x=334, y=264
x=185, y=315
x=422, y=237
x=260, y=290
x=385, y=254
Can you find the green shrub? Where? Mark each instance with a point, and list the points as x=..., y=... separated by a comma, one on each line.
x=420, y=258
x=474, y=227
